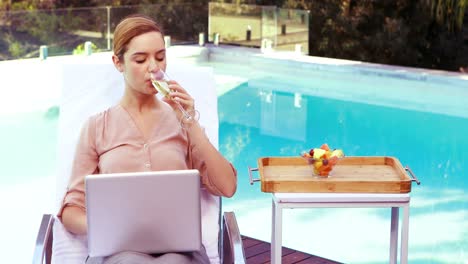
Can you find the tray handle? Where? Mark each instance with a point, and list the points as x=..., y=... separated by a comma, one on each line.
x=252, y=180
x=414, y=178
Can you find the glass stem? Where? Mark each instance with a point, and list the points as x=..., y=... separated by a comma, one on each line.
x=184, y=113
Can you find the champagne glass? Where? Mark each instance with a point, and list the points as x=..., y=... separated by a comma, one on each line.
x=160, y=81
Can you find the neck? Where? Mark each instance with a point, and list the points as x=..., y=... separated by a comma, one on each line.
x=139, y=102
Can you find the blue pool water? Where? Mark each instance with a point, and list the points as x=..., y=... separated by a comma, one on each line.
x=255, y=122
x=27, y=143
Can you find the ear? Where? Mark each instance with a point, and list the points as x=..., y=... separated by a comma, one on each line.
x=117, y=63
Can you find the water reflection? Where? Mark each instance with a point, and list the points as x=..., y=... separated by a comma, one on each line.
x=279, y=111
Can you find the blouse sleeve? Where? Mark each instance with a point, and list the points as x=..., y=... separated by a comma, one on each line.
x=201, y=166
x=85, y=162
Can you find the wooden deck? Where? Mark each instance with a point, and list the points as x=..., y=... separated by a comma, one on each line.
x=257, y=251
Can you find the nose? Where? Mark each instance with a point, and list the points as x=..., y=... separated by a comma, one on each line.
x=153, y=66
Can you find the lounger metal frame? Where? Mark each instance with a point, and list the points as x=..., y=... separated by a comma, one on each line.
x=230, y=243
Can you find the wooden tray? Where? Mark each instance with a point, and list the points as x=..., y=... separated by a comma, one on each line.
x=350, y=175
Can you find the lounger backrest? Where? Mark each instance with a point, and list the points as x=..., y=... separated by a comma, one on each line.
x=91, y=86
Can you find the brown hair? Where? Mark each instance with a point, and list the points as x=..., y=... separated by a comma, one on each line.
x=130, y=27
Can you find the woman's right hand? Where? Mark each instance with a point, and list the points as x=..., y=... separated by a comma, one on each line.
x=179, y=94
x=74, y=220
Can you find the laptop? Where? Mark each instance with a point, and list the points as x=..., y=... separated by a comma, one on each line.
x=149, y=212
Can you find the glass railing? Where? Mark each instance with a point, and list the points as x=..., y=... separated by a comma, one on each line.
x=65, y=31
x=43, y=33
x=259, y=26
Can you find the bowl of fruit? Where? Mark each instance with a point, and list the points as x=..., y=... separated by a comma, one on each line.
x=322, y=159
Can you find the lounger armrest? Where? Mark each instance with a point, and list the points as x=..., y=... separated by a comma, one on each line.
x=233, y=250
x=43, y=247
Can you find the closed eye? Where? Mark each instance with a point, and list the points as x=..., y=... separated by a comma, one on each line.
x=139, y=59
x=161, y=57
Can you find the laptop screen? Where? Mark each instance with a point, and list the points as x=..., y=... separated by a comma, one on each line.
x=149, y=212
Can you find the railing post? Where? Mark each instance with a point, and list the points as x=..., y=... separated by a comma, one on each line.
x=263, y=45
x=88, y=49
x=201, y=39
x=167, y=41
x=108, y=28
x=267, y=45
x=43, y=52
x=216, y=39
x=274, y=42
x=298, y=48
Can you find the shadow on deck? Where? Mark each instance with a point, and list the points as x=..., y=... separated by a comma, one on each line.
x=257, y=251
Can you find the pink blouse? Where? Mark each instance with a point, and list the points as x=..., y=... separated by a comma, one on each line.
x=110, y=142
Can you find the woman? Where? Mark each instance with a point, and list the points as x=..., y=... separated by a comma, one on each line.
x=143, y=133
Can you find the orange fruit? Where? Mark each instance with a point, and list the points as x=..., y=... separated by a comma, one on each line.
x=325, y=147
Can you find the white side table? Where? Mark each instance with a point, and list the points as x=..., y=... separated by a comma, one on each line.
x=343, y=200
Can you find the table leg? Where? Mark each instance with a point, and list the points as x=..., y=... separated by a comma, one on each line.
x=394, y=235
x=276, y=233
x=404, y=235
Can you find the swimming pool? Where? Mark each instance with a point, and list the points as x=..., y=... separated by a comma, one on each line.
x=421, y=118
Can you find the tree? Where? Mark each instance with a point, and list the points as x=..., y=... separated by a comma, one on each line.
x=448, y=13
x=421, y=33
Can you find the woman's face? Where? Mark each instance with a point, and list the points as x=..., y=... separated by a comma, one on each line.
x=145, y=54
